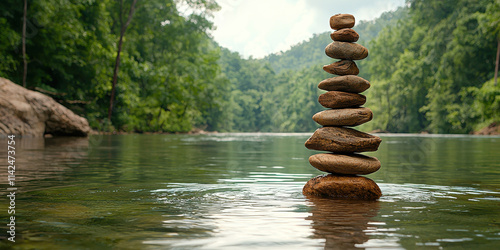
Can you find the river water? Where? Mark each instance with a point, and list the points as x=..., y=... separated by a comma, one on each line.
x=243, y=191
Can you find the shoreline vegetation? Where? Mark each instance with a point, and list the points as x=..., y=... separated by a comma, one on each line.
x=431, y=68
x=493, y=129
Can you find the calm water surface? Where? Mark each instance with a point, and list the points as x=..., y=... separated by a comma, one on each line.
x=243, y=191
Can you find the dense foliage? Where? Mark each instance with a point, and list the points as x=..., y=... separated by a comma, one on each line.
x=261, y=100
x=430, y=70
x=311, y=53
x=431, y=66
x=168, y=78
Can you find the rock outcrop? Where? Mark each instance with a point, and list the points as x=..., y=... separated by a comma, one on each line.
x=28, y=113
x=492, y=129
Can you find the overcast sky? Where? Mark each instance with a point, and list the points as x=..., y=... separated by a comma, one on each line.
x=260, y=27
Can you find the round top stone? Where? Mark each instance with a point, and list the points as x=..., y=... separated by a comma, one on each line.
x=342, y=21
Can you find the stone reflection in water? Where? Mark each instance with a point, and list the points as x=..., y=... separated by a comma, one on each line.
x=34, y=154
x=342, y=223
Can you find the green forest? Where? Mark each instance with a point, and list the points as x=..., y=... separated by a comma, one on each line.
x=431, y=66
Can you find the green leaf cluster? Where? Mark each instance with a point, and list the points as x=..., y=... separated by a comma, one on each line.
x=424, y=69
x=430, y=63
x=168, y=80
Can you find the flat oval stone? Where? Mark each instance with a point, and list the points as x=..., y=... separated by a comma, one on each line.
x=345, y=164
x=343, y=117
x=345, y=50
x=348, y=83
x=345, y=35
x=342, y=187
x=338, y=99
x=342, y=67
x=342, y=140
x=341, y=21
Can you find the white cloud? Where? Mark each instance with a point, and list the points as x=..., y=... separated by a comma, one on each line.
x=260, y=27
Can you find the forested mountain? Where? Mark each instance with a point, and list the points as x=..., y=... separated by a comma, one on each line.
x=312, y=51
x=431, y=66
x=433, y=70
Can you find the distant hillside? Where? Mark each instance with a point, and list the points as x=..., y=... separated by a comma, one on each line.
x=430, y=65
x=311, y=52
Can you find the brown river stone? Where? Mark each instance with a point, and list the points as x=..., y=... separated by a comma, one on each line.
x=342, y=140
x=345, y=164
x=339, y=99
x=342, y=187
x=345, y=50
x=345, y=35
x=342, y=67
x=348, y=83
x=343, y=117
x=341, y=21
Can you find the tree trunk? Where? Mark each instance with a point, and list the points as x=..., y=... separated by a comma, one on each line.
x=25, y=61
x=387, y=127
x=123, y=28
x=496, y=65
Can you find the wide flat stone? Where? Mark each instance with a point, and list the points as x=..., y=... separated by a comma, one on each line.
x=345, y=164
x=345, y=35
x=347, y=83
x=342, y=140
x=342, y=187
x=339, y=99
x=341, y=21
x=343, y=117
x=342, y=67
x=346, y=50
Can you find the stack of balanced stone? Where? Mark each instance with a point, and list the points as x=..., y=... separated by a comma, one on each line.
x=343, y=163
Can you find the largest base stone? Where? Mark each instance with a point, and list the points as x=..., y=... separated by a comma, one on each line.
x=342, y=187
